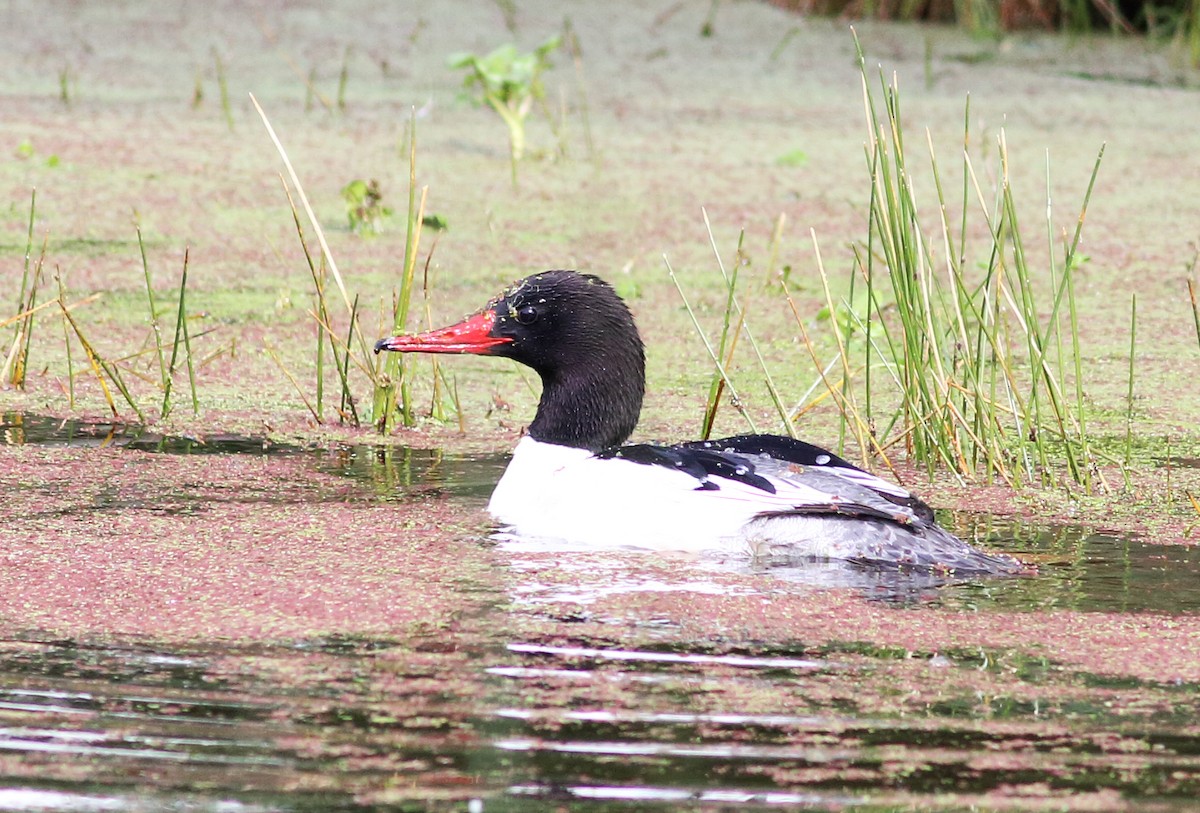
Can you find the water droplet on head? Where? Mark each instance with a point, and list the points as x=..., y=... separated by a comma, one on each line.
x=740, y=470
x=822, y=459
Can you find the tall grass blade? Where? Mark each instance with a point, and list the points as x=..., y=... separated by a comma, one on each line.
x=712, y=354
x=1129, y=395
x=343, y=80
x=158, y=341
x=62, y=297
x=181, y=338
x=343, y=365
x=1195, y=308
x=187, y=340
x=308, y=210
x=290, y=377
x=103, y=368
x=223, y=87
x=733, y=307
x=395, y=381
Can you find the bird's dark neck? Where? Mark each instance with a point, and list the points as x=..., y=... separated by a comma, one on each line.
x=592, y=407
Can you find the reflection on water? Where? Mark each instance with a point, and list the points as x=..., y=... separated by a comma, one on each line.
x=386, y=469
x=1082, y=570
x=19, y=429
x=525, y=707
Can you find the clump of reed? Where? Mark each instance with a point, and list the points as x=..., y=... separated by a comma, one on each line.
x=980, y=345
x=345, y=344
x=953, y=342
x=109, y=372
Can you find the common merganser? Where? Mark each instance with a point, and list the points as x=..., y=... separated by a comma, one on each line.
x=571, y=478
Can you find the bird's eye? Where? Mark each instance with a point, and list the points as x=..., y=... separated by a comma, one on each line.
x=527, y=314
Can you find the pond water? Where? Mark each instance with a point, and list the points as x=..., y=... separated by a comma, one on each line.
x=569, y=680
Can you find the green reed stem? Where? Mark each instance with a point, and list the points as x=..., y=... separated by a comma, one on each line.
x=158, y=341
x=1195, y=308
x=1129, y=395
x=99, y=365
x=62, y=298
x=395, y=378
x=223, y=87
x=712, y=354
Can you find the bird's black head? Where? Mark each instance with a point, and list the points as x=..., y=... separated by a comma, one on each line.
x=578, y=335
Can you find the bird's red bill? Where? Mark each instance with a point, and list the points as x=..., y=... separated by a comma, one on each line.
x=472, y=335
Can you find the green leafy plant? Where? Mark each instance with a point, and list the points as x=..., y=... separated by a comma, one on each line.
x=364, y=206
x=25, y=152
x=509, y=82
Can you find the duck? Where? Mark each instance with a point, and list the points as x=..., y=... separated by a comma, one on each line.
x=573, y=477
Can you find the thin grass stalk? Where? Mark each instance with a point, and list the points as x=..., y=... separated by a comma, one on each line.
x=571, y=41
x=395, y=366
x=1129, y=394
x=223, y=87
x=50, y=303
x=25, y=331
x=325, y=323
x=312, y=218
x=1054, y=324
x=1080, y=472
x=9, y=372
x=99, y=365
x=187, y=338
x=724, y=351
x=1170, y=494
x=168, y=385
x=848, y=394
x=92, y=359
x=343, y=367
x=876, y=217
x=154, y=325
x=773, y=247
x=322, y=323
x=971, y=399
x=726, y=317
x=804, y=404
x=62, y=297
x=872, y=226
x=1195, y=308
x=437, y=405
x=866, y=268
x=1010, y=231
x=28, y=250
x=295, y=384
x=343, y=80
x=996, y=328
x=740, y=258
x=845, y=331
x=410, y=272
x=714, y=402
x=716, y=360
x=848, y=411
x=458, y=410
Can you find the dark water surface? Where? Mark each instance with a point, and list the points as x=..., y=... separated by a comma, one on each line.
x=528, y=707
